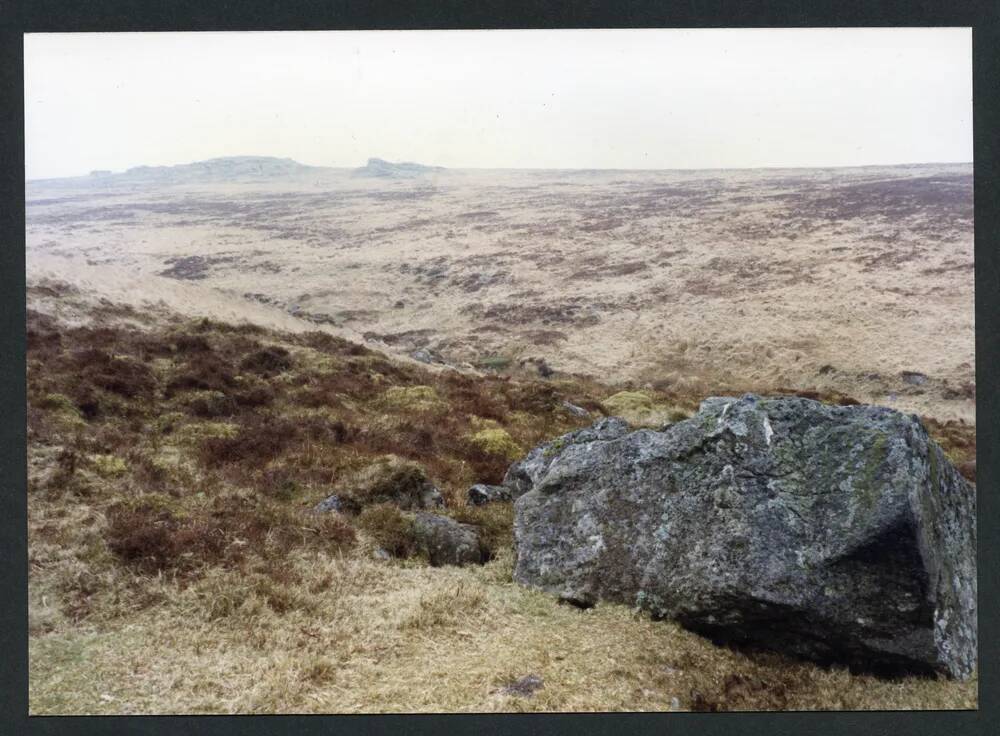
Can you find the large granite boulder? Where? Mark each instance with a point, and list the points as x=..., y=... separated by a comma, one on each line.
x=838, y=534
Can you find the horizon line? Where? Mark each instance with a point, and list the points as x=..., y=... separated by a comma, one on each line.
x=777, y=167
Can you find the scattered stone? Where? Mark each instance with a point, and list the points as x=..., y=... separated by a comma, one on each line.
x=577, y=411
x=328, y=504
x=834, y=533
x=399, y=304
x=446, y=541
x=913, y=378
x=423, y=356
x=481, y=493
x=826, y=369
x=524, y=687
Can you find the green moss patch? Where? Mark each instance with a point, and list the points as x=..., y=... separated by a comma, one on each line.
x=496, y=442
x=641, y=409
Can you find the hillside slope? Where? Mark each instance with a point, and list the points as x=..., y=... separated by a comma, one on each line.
x=175, y=565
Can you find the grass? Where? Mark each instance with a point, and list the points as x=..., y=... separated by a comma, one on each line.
x=496, y=362
x=386, y=480
x=364, y=636
x=390, y=529
x=175, y=566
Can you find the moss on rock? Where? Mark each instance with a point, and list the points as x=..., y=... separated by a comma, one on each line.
x=641, y=409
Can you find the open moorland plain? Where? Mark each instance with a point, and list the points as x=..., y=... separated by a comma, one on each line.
x=259, y=394
x=855, y=280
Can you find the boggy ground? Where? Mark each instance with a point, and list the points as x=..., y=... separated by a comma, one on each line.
x=851, y=280
x=175, y=567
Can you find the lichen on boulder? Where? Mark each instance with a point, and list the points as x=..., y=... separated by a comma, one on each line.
x=834, y=533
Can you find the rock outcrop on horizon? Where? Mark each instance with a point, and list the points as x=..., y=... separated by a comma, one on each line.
x=223, y=169
x=378, y=167
x=227, y=168
x=840, y=534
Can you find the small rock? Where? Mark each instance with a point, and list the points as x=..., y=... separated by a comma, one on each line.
x=675, y=704
x=446, y=541
x=423, y=356
x=381, y=554
x=824, y=370
x=481, y=494
x=399, y=305
x=913, y=378
x=525, y=687
x=330, y=503
x=577, y=411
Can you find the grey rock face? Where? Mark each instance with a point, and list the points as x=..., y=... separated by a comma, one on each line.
x=481, y=493
x=838, y=534
x=446, y=541
x=525, y=473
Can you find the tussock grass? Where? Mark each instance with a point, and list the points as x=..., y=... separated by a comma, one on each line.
x=497, y=441
x=390, y=529
x=355, y=635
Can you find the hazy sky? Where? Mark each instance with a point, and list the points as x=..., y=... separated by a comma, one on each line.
x=537, y=99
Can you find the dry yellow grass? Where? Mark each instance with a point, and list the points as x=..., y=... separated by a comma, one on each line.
x=362, y=635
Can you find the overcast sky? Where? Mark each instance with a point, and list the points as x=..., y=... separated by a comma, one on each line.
x=521, y=99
